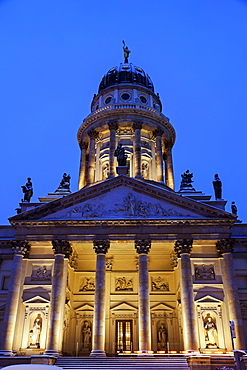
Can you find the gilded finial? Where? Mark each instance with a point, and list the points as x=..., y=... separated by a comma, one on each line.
x=126, y=53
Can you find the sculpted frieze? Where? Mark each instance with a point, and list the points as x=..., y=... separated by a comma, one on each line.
x=123, y=284
x=159, y=284
x=41, y=273
x=204, y=272
x=87, y=284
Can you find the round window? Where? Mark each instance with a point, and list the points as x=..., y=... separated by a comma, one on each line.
x=143, y=99
x=108, y=100
x=125, y=96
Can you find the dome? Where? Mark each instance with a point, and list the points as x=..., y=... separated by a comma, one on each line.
x=126, y=73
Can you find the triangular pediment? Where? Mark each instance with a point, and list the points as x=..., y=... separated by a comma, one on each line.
x=208, y=299
x=122, y=198
x=36, y=300
x=162, y=307
x=123, y=306
x=84, y=307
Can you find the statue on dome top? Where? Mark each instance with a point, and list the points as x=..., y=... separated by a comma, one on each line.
x=126, y=52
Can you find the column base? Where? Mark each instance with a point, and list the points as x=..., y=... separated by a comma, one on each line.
x=50, y=352
x=97, y=353
x=145, y=353
x=7, y=353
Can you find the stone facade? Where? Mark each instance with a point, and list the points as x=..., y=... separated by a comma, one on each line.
x=125, y=264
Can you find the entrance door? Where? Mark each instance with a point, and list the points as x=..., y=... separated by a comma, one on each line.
x=123, y=335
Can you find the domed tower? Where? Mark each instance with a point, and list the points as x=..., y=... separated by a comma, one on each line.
x=126, y=111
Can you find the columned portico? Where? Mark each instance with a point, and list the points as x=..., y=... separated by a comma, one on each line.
x=112, y=127
x=91, y=158
x=159, y=157
x=82, y=173
x=62, y=250
x=142, y=248
x=98, y=341
x=20, y=249
x=225, y=249
x=183, y=248
x=137, y=126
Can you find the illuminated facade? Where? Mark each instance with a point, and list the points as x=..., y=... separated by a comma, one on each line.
x=126, y=263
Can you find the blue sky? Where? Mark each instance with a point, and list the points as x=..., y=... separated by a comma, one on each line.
x=54, y=53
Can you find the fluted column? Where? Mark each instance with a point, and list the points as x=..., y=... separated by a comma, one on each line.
x=137, y=126
x=62, y=250
x=20, y=249
x=98, y=343
x=159, y=157
x=112, y=127
x=91, y=158
x=142, y=248
x=169, y=175
x=82, y=173
x=225, y=249
x=183, y=248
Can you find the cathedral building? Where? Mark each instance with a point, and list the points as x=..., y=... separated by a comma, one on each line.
x=126, y=264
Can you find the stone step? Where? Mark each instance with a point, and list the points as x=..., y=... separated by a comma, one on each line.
x=115, y=363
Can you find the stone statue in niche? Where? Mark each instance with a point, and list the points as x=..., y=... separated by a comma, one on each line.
x=106, y=171
x=159, y=284
x=145, y=170
x=121, y=156
x=41, y=274
x=27, y=190
x=204, y=272
x=86, y=335
x=87, y=284
x=186, y=182
x=35, y=332
x=123, y=283
x=162, y=337
x=211, y=335
x=217, y=184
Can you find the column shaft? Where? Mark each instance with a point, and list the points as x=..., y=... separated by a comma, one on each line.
x=137, y=149
x=82, y=173
x=232, y=299
x=112, y=127
x=159, y=159
x=91, y=157
x=169, y=169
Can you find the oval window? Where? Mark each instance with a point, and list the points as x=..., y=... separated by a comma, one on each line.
x=125, y=96
x=143, y=99
x=108, y=100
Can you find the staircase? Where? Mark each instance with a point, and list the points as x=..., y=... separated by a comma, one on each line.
x=123, y=363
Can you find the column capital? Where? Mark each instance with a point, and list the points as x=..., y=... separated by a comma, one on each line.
x=142, y=246
x=62, y=247
x=93, y=134
x=101, y=246
x=113, y=125
x=83, y=145
x=158, y=132
x=137, y=125
x=20, y=247
x=183, y=246
x=224, y=246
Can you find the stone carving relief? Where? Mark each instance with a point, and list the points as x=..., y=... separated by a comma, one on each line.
x=73, y=260
x=123, y=283
x=243, y=307
x=41, y=273
x=87, y=284
x=159, y=284
x=174, y=259
x=109, y=264
x=204, y=272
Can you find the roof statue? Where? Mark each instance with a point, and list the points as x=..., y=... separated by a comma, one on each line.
x=186, y=182
x=27, y=190
x=121, y=156
x=234, y=209
x=126, y=52
x=64, y=184
x=217, y=184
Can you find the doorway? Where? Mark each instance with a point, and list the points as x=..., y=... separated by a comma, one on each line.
x=123, y=335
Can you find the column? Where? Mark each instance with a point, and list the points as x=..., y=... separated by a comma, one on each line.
x=91, y=158
x=182, y=249
x=142, y=248
x=62, y=250
x=82, y=173
x=159, y=158
x=137, y=126
x=21, y=250
x=225, y=249
x=169, y=175
x=98, y=343
x=113, y=126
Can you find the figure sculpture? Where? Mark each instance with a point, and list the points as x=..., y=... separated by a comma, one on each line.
x=126, y=53
x=64, y=183
x=162, y=337
x=86, y=335
x=210, y=332
x=27, y=190
x=217, y=184
x=234, y=209
x=186, y=182
x=35, y=331
x=121, y=156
